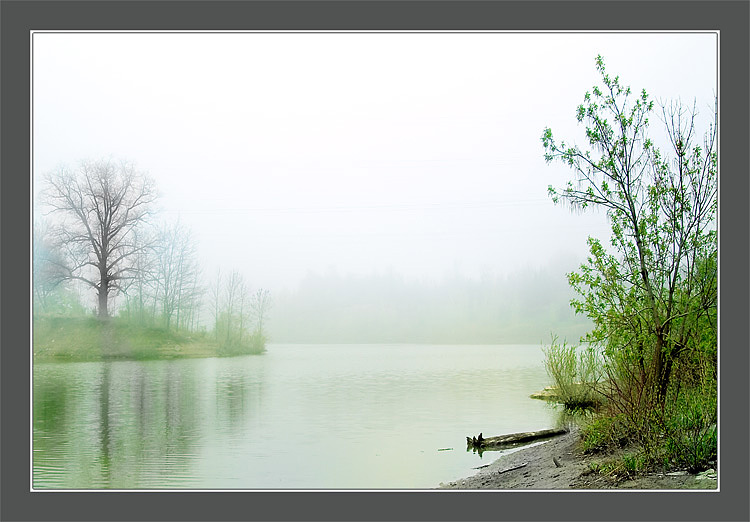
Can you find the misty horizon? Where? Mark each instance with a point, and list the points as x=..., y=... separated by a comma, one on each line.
x=526, y=307
x=287, y=155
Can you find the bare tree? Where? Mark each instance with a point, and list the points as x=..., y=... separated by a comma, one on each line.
x=100, y=204
x=260, y=305
x=235, y=286
x=215, y=295
x=177, y=271
x=189, y=298
x=144, y=284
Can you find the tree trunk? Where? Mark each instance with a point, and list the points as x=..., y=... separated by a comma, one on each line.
x=664, y=378
x=103, y=295
x=662, y=370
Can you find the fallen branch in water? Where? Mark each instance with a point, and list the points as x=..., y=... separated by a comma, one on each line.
x=513, y=438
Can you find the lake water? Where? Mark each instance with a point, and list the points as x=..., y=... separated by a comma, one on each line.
x=296, y=417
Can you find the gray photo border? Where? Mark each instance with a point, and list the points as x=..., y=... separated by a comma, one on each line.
x=18, y=18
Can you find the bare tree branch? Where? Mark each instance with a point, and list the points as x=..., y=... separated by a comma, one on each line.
x=100, y=205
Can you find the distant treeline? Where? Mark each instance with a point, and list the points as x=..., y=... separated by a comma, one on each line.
x=524, y=307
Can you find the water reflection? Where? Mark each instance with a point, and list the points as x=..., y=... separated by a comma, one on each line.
x=211, y=423
x=50, y=405
x=238, y=395
x=137, y=424
x=104, y=434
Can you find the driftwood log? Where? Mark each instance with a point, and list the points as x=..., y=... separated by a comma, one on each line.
x=513, y=468
x=514, y=438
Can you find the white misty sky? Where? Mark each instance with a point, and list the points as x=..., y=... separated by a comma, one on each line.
x=360, y=153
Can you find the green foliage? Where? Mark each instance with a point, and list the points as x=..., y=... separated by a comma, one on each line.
x=251, y=344
x=628, y=465
x=239, y=316
x=575, y=373
x=233, y=336
x=605, y=432
x=91, y=339
x=58, y=336
x=634, y=463
x=688, y=429
x=651, y=290
x=59, y=301
x=604, y=468
x=52, y=294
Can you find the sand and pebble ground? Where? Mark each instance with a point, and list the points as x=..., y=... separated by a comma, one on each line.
x=559, y=463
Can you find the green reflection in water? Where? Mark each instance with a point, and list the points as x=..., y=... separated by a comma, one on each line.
x=317, y=416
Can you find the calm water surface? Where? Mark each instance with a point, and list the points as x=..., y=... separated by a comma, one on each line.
x=299, y=416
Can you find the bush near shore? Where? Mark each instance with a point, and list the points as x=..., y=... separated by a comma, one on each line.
x=614, y=414
x=91, y=339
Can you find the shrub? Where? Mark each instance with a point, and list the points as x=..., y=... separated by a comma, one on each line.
x=633, y=463
x=689, y=428
x=605, y=433
x=254, y=343
x=575, y=373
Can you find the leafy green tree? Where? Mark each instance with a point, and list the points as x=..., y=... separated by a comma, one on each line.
x=652, y=289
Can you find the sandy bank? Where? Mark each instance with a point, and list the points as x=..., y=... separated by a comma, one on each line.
x=559, y=463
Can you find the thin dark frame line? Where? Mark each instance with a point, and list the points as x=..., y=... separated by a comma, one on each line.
x=368, y=31
x=33, y=32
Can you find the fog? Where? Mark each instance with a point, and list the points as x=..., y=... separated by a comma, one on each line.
x=395, y=160
x=526, y=307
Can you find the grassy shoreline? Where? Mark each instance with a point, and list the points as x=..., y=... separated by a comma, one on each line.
x=561, y=463
x=89, y=339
